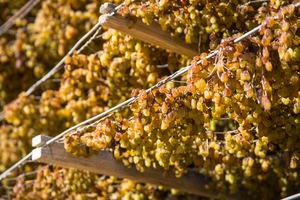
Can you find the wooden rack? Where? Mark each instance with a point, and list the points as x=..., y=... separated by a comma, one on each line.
x=104, y=163
x=152, y=34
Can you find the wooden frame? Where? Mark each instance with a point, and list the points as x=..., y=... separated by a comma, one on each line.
x=152, y=34
x=104, y=163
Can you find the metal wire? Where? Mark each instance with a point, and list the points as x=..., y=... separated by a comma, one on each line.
x=293, y=197
x=20, y=162
x=89, y=41
x=32, y=173
x=20, y=14
x=256, y=1
x=59, y=65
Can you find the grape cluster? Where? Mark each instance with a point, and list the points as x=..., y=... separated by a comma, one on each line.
x=235, y=118
x=87, y=86
x=200, y=22
x=12, y=149
x=184, y=126
x=36, y=46
x=253, y=78
x=84, y=185
x=25, y=59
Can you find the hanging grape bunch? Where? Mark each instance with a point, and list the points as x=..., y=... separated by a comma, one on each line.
x=235, y=119
x=243, y=85
x=33, y=47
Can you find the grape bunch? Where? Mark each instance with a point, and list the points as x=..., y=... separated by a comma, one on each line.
x=235, y=118
x=249, y=77
x=200, y=22
x=87, y=87
x=36, y=46
x=182, y=127
x=85, y=185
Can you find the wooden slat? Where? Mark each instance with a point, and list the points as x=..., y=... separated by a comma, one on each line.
x=104, y=163
x=152, y=34
x=39, y=140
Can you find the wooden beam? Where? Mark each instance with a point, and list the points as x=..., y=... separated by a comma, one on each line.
x=152, y=34
x=39, y=140
x=104, y=163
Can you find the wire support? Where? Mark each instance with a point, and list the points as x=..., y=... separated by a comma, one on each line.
x=20, y=14
x=19, y=163
x=293, y=197
x=90, y=40
x=256, y=1
x=59, y=65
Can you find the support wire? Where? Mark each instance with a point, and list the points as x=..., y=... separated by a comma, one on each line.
x=20, y=14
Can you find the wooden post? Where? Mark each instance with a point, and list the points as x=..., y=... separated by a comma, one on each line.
x=104, y=163
x=152, y=34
